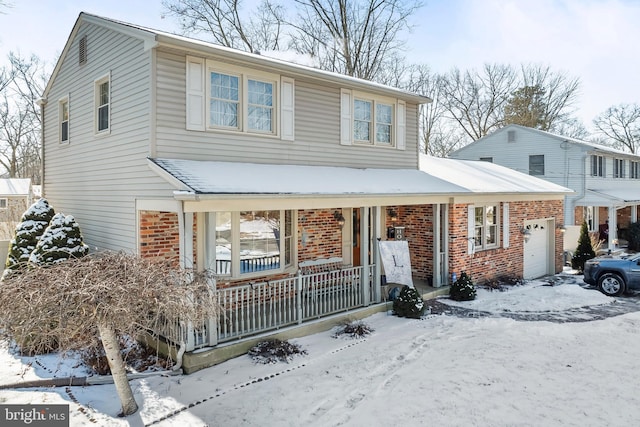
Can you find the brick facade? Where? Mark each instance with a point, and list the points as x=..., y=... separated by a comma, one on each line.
x=487, y=265
x=319, y=235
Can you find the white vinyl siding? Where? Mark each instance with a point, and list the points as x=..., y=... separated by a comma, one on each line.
x=317, y=125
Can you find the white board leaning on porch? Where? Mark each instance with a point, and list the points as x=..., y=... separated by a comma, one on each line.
x=396, y=261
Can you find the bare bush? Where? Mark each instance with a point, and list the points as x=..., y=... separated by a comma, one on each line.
x=102, y=296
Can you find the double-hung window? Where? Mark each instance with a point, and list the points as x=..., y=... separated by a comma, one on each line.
x=536, y=164
x=102, y=95
x=634, y=170
x=618, y=168
x=241, y=102
x=486, y=227
x=63, y=114
x=253, y=242
x=597, y=165
x=4, y=203
x=372, y=122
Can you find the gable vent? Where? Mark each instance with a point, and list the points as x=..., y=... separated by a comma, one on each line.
x=511, y=136
x=82, y=50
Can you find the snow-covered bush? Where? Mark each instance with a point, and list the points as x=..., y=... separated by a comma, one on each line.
x=275, y=350
x=463, y=289
x=60, y=241
x=32, y=225
x=409, y=303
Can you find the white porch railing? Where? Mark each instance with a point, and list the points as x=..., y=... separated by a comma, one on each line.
x=260, y=307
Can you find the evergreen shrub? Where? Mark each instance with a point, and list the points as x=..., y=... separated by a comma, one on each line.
x=463, y=289
x=409, y=303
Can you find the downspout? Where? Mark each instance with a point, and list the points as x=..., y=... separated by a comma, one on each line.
x=42, y=102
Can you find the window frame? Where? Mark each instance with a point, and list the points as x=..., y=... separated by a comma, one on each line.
x=61, y=120
x=483, y=245
x=98, y=105
x=4, y=201
x=486, y=159
x=533, y=167
x=374, y=123
x=287, y=251
x=634, y=169
x=244, y=77
x=619, y=168
x=597, y=166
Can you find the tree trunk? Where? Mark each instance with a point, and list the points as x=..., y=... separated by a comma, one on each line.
x=118, y=371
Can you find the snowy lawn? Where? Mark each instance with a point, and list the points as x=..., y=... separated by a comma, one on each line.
x=439, y=370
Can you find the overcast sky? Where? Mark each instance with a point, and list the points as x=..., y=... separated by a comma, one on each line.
x=595, y=40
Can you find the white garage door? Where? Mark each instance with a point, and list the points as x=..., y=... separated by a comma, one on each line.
x=538, y=249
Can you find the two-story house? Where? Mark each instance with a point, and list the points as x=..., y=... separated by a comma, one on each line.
x=605, y=181
x=257, y=169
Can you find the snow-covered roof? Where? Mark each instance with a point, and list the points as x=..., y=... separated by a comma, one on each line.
x=436, y=177
x=620, y=195
x=15, y=186
x=152, y=37
x=486, y=177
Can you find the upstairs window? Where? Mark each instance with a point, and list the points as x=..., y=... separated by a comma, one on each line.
x=634, y=170
x=4, y=203
x=618, y=168
x=597, y=165
x=103, y=103
x=536, y=164
x=372, y=122
x=486, y=159
x=242, y=103
x=63, y=114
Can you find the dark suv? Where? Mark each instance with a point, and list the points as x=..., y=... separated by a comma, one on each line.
x=613, y=275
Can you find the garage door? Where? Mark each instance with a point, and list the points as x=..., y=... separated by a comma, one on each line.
x=538, y=249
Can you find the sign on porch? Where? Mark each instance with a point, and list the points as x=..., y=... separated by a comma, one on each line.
x=396, y=261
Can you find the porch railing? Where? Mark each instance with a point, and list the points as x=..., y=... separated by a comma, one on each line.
x=260, y=307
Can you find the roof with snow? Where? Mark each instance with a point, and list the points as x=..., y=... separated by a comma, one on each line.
x=15, y=187
x=435, y=177
x=152, y=37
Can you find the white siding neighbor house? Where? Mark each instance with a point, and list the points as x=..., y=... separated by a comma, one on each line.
x=279, y=178
x=605, y=181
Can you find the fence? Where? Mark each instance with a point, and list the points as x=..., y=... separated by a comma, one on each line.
x=260, y=307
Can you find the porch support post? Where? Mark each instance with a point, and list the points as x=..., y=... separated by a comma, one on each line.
x=376, y=228
x=613, y=227
x=437, y=238
x=207, y=229
x=186, y=247
x=364, y=254
x=634, y=213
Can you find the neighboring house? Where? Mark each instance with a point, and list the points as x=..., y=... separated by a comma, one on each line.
x=255, y=169
x=15, y=197
x=605, y=181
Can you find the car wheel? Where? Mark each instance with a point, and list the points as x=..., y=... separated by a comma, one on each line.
x=611, y=284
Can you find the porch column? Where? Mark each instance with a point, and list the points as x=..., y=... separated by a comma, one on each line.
x=634, y=213
x=440, y=244
x=613, y=227
x=364, y=254
x=185, y=224
x=376, y=229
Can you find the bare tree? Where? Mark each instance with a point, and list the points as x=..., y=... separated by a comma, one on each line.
x=224, y=22
x=475, y=100
x=554, y=95
x=353, y=37
x=20, y=119
x=106, y=296
x=620, y=125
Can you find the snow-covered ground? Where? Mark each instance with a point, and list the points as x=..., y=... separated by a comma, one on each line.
x=440, y=370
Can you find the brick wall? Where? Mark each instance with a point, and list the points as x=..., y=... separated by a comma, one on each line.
x=319, y=235
x=160, y=235
x=490, y=264
x=418, y=223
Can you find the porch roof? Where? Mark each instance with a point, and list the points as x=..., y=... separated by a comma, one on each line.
x=616, y=197
x=442, y=177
